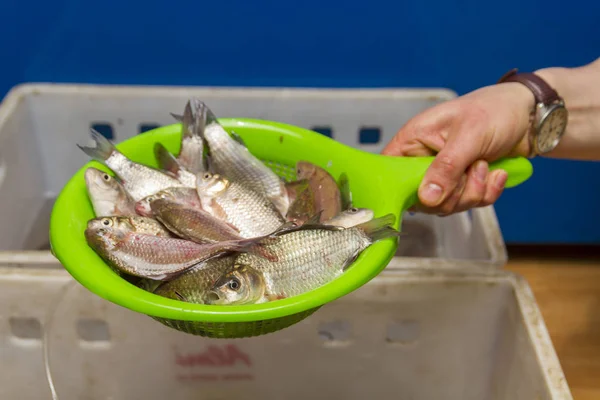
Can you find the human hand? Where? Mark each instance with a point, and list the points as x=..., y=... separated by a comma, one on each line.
x=465, y=134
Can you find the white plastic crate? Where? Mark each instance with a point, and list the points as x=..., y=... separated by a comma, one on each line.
x=40, y=125
x=412, y=334
x=440, y=322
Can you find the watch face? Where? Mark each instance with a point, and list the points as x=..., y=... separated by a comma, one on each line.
x=552, y=128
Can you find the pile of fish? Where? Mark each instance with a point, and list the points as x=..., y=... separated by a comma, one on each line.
x=215, y=225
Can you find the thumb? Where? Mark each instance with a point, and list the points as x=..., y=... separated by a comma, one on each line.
x=444, y=173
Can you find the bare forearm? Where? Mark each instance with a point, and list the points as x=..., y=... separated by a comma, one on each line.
x=580, y=89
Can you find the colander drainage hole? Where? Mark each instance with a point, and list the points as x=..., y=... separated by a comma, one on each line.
x=403, y=332
x=28, y=328
x=335, y=332
x=93, y=330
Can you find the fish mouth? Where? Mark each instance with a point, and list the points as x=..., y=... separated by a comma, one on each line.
x=143, y=210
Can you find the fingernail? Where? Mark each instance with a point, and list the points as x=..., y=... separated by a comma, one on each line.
x=500, y=180
x=481, y=171
x=431, y=194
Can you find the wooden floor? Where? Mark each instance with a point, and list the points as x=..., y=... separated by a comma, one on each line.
x=566, y=284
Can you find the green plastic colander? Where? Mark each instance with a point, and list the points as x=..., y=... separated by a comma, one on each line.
x=384, y=184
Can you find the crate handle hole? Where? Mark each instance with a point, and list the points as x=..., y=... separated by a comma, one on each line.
x=403, y=332
x=93, y=330
x=147, y=126
x=335, y=332
x=104, y=128
x=369, y=135
x=323, y=130
x=26, y=328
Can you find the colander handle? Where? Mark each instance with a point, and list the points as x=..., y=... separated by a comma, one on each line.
x=405, y=174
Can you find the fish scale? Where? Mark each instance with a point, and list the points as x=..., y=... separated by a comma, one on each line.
x=138, y=180
x=252, y=214
x=233, y=160
x=150, y=256
x=194, y=283
x=307, y=259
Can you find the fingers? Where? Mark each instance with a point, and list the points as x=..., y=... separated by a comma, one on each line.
x=445, y=171
x=476, y=188
x=494, y=187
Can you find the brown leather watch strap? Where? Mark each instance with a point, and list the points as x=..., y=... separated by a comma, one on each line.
x=542, y=92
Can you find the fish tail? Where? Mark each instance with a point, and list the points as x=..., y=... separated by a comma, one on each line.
x=103, y=149
x=257, y=247
x=166, y=160
x=187, y=121
x=177, y=117
x=204, y=115
x=379, y=228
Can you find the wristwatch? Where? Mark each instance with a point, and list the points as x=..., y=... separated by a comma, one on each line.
x=549, y=116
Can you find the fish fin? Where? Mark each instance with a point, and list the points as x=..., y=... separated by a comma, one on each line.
x=314, y=219
x=345, y=193
x=103, y=149
x=177, y=117
x=379, y=228
x=179, y=295
x=291, y=226
x=256, y=246
x=204, y=115
x=274, y=296
x=350, y=260
x=237, y=138
x=187, y=121
x=260, y=251
x=235, y=228
x=166, y=160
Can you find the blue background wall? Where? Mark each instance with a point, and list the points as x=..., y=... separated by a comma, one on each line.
x=461, y=45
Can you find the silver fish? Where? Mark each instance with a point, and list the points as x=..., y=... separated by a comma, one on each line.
x=192, y=224
x=139, y=180
x=238, y=284
x=193, y=285
x=251, y=213
x=141, y=224
x=308, y=257
x=230, y=158
x=181, y=195
x=150, y=256
x=201, y=227
x=169, y=163
x=191, y=155
x=107, y=194
x=351, y=217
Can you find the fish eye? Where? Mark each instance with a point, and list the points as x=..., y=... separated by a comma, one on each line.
x=354, y=210
x=234, y=284
x=106, y=222
x=206, y=176
x=106, y=177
